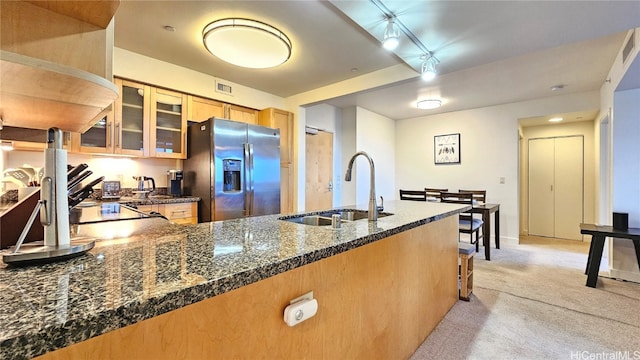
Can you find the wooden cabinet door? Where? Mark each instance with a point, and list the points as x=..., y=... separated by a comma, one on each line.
x=241, y=114
x=200, y=109
x=131, y=127
x=168, y=125
x=99, y=139
x=282, y=120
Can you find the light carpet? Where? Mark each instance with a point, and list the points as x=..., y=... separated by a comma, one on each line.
x=530, y=302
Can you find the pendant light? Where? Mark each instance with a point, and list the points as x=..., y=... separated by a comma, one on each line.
x=429, y=68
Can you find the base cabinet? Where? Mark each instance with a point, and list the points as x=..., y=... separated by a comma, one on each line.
x=180, y=213
x=378, y=301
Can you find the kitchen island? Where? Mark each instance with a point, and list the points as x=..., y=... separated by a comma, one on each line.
x=154, y=289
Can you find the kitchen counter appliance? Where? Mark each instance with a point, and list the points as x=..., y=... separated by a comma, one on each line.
x=174, y=180
x=245, y=177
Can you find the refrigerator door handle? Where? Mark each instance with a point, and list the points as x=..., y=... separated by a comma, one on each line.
x=248, y=179
x=251, y=179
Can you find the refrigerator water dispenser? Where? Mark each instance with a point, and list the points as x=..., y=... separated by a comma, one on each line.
x=231, y=168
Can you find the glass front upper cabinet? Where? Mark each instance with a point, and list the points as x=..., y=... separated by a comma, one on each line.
x=131, y=126
x=168, y=124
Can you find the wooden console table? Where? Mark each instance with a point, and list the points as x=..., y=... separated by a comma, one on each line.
x=598, y=234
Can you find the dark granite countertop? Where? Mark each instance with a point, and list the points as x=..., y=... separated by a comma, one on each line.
x=143, y=268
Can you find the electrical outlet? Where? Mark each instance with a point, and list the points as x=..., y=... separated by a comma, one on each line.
x=502, y=180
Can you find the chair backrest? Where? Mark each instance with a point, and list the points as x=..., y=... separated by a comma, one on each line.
x=458, y=198
x=415, y=195
x=478, y=195
x=434, y=193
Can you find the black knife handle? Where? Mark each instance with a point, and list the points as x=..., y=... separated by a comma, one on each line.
x=88, y=186
x=75, y=171
x=76, y=180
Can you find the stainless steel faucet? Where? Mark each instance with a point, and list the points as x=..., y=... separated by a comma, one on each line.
x=373, y=208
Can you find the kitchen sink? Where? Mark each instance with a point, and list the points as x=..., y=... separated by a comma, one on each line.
x=324, y=218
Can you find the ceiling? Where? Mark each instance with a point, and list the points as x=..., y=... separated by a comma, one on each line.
x=490, y=52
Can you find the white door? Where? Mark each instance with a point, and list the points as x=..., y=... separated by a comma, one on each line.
x=556, y=187
x=541, y=174
x=568, y=187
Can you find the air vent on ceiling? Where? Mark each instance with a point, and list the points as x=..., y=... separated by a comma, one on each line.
x=628, y=47
x=224, y=88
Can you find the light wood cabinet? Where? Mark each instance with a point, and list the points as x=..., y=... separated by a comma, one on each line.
x=146, y=122
x=56, y=63
x=99, y=139
x=179, y=213
x=201, y=109
x=241, y=114
x=131, y=127
x=282, y=120
x=168, y=124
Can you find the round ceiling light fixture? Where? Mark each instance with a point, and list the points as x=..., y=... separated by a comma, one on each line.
x=247, y=43
x=429, y=104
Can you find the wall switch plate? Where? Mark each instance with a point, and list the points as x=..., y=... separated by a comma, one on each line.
x=502, y=180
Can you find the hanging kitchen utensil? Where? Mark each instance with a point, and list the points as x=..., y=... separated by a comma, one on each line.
x=19, y=175
x=30, y=173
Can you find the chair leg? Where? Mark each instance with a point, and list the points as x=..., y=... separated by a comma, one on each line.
x=478, y=241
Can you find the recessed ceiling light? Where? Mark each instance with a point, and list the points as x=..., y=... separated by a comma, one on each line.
x=247, y=43
x=555, y=119
x=429, y=104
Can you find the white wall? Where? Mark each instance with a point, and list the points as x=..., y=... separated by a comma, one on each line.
x=584, y=128
x=626, y=178
x=375, y=135
x=489, y=150
x=623, y=112
x=141, y=68
x=112, y=168
x=349, y=146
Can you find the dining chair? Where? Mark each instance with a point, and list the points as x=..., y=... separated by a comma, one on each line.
x=480, y=196
x=414, y=195
x=467, y=223
x=433, y=194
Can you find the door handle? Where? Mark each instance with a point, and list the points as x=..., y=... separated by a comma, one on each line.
x=330, y=187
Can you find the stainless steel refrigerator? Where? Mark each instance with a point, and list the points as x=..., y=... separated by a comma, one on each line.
x=234, y=168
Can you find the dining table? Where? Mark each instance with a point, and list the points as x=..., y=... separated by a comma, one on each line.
x=486, y=210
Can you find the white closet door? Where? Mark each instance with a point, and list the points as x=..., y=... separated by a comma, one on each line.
x=568, y=187
x=541, y=174
x=556, y=187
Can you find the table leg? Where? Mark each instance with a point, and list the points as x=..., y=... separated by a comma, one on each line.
x=595, y=257
x=586, y=269
x=486, y=234
x=497, y=223
x=636, y=244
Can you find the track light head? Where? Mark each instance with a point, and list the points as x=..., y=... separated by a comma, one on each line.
x=391, y=37
x=429, y=69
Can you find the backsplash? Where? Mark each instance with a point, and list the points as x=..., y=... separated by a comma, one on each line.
x=112, y=168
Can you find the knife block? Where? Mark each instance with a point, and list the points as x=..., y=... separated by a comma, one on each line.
x=14, y=220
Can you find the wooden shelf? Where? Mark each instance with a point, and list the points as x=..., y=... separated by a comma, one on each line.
x=39, y=94
x=168, y=129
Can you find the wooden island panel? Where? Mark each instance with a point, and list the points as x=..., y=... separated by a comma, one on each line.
x=380, y=300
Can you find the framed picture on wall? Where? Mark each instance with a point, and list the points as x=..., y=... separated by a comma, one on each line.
x=446, y=149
